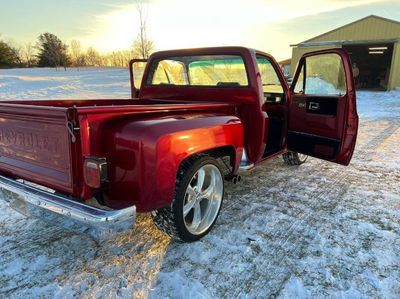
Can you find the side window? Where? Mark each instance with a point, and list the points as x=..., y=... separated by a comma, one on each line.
x=269, y=77
x=170, y=72
x=322, y=75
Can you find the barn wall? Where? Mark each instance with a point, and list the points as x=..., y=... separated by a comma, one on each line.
x=394, y=79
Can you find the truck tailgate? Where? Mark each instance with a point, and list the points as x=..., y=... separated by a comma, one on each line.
x=35, y=145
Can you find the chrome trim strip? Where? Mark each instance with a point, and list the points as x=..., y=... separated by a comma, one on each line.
x=22, y=198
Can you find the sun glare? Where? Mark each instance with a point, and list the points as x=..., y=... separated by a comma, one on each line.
x=115, y=30
x=185, y=24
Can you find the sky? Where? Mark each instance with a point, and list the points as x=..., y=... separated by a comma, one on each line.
x=270, y=26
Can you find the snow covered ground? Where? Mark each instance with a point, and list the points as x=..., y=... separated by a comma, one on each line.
x=318, y=230
x=45, y=83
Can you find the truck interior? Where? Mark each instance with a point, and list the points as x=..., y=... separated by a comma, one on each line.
x=274, y=104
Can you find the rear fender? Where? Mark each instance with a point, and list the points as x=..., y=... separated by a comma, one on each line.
x=148, y=153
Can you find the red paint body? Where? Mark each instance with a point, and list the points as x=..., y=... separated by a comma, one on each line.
x=144, y=140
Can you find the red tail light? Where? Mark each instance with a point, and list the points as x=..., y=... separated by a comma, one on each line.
x=95, y=171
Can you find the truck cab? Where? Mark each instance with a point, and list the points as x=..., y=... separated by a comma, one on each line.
x=161, y=150
x=315, y=116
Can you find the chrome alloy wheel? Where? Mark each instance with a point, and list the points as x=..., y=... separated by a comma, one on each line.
x=203, y=199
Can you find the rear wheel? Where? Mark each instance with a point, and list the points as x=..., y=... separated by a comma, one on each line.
x=198, y=198
x=293, y=158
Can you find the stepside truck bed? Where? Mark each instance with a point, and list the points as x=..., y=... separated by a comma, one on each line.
x=47, y=142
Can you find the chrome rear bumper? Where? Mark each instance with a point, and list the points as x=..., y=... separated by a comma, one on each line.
x=32, y=201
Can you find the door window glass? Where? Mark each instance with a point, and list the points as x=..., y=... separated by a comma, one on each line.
x=299, y=87
x=324, y=75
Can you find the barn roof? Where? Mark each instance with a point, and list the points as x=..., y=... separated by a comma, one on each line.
x=370, y=28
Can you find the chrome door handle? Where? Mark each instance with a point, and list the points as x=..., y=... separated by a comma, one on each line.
x=313, y=106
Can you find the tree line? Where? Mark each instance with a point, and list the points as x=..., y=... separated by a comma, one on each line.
x=51, y=51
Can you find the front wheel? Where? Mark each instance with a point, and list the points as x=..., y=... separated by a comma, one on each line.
x=293, y=158
x=198, y=198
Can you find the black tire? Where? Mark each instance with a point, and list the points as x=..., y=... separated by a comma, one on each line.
x=170, y=219
x=293, y=158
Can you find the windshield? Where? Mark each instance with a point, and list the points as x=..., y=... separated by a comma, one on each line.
x=201, y=70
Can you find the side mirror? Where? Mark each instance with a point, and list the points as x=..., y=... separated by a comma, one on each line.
x=136, y=71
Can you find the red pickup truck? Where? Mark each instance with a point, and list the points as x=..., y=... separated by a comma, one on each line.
x=161, y=151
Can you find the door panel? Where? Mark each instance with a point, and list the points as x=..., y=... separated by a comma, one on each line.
x=321, y=147
x=303, y=119
x=323, y=119
x=322, y=106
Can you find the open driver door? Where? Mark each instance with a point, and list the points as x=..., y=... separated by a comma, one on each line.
x=136, y=71
x=323, y=120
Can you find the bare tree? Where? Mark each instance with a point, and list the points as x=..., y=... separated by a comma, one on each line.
x=119, y=58
x=78, y=58
x=28, y=54
x=142, y=46
x=93, y=57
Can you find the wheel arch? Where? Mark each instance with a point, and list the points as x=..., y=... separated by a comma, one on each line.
x=146, y=155
x=229, y=150
x=212, y=135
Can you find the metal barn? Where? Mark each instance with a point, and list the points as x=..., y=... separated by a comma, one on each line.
x=373, y=44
